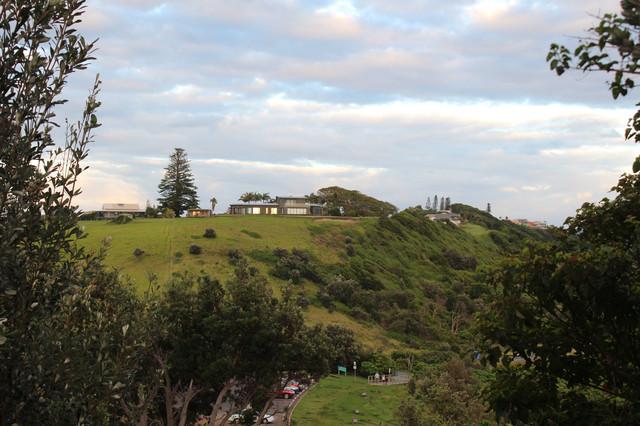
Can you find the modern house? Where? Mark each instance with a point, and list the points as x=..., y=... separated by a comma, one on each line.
x=446, y=216
x=198, y=213
x=286, y=206
x=113, y=210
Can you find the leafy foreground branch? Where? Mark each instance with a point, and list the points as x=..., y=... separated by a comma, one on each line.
x=76, y=345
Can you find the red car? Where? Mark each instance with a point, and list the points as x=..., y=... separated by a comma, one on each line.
x=285, y=393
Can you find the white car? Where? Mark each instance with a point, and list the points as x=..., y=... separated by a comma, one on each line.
x=237, y=418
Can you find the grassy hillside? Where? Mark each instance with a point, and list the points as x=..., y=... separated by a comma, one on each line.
x=161, y=239
x=335, y=399
x=397, y=282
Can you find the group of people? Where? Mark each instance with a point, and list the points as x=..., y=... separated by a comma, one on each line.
x=377, y=378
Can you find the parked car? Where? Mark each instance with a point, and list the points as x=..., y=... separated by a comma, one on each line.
x=285, y=393
x=237, y=418
x=296, y=389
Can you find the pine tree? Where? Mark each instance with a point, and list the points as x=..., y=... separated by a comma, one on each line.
x=441, y=203
x=447, y=203
x=177, y=188
x=428, y=206
x=488, y=207
x=435, y=203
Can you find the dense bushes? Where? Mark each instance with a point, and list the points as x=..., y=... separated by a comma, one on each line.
x=209, y=233
x=123, y=219
x=295, y=266
x=459, y=261
x=195, y=249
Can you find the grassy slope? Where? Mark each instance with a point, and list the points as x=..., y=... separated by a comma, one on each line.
x=403, y=253
x=162, y=238
x=334, y=401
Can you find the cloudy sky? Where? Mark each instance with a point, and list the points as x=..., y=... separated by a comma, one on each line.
x=398, y=99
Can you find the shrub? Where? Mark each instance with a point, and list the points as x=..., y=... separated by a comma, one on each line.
x=348, y=240
x=234, y=256
x=151, y=212
x=342, y=289
x=178, y=255
x=210, y=233
x=302, y=301
x=295, y=265
x=460, y=262
x=295, y=276
x=138, y=252
x=195, y=249
x=123, y=219
x=168, y=213
x=360, y=314
x=351, y=250
x=326, y=300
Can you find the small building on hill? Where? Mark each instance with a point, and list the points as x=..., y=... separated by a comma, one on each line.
x=113, y=210
x=285, y=206
x=446, y=216
x=198, y=213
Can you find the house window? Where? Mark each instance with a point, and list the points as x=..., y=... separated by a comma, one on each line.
x=274, y=210
x=294, y=211
x=256, y=210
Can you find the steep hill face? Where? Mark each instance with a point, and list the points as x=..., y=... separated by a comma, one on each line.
x=399, y=281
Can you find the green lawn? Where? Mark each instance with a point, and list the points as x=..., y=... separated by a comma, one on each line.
x=335, y=399
x=254, y=236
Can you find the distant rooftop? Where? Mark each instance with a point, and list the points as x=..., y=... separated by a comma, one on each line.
x=121, y=207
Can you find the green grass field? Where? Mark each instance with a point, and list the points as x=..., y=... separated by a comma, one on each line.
x=161, y=239
x=254, y=236
x=335, y=400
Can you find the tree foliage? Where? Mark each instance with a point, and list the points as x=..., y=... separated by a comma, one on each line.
x=177, y=188
x=612, y=46
x=564, y=324
x=257, y=197
x=340, y=201
x=70, y=334
x=569, y=311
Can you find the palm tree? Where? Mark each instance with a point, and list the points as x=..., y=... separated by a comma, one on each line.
x=214, y=202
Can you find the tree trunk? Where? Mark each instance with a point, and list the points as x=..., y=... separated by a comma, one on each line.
x=186, y=400
x=266, y=407
x=223, y=392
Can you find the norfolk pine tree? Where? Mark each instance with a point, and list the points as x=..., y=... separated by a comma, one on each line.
x=177, y=188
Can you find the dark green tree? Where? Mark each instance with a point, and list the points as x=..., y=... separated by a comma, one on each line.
x=565, y=323
x=70, y=335
x=177, y=188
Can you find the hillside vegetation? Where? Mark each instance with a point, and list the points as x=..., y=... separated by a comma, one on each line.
x=346, y=202
x=397, y=282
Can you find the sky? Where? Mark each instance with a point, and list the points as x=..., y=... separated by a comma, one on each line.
x=397, y=99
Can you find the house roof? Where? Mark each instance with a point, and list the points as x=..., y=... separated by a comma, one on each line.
x=254, y=205
x=122, y=207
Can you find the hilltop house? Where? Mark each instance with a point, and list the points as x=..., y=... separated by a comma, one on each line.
x=286, y=206
x=113, y=210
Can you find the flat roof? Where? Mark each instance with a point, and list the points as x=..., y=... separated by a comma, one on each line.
x=254, y=205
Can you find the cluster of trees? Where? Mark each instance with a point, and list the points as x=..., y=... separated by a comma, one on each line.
x=77, y=346
x=343, y=202
x=256, y=197
x=445, y=203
